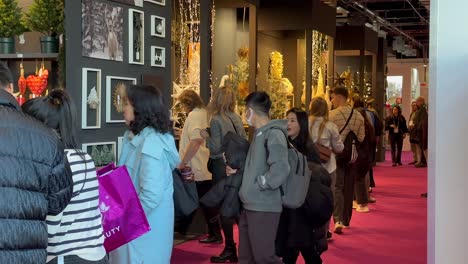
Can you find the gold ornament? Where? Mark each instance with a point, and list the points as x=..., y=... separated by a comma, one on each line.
x=119, y=96
x=276, y=65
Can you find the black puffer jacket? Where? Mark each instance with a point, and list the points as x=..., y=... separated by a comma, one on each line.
x=35, y=180
x=295, y=230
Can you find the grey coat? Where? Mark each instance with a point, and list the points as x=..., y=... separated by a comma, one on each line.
x=263, y=173
x=219, y=127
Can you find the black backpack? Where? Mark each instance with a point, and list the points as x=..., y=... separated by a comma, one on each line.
x=351, y=145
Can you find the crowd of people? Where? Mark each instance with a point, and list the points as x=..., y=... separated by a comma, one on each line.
x=52, y=213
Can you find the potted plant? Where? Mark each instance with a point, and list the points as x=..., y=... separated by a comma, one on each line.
x=46, y=16
x=10, y=25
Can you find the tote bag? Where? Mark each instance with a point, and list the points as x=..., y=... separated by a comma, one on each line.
x=185, y=195
x=123, y=217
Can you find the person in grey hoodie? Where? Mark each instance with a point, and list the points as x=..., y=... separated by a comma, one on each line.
x=266, y=169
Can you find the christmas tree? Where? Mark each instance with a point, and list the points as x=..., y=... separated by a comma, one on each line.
x=46, y=16
x=93, y=99
x=10, y=19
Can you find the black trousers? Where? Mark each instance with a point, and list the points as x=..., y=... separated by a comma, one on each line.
x=371, y=169
x=344, y=194
x=291, y=254
x=227, y=224
x=396, y=143
x=371, y=177
x=360, y=188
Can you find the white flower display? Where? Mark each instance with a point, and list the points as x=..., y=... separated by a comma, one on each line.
x=93, y=99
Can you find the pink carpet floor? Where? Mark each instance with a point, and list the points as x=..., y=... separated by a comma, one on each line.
x=393, y=232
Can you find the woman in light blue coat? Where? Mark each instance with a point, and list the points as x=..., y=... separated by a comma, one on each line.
x=150, y=154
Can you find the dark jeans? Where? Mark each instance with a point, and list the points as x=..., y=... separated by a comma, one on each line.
x=219, y=173
x=257, y=234
x=396, y=143
x=344, y=194
x=73, y=259
x=291, y=255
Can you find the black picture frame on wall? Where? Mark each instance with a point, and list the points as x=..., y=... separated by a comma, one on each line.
x=158, y=26
x=115, y=87
x=136, y=37
x=102, y=153
x=91, y=98
x=158, y=56
x=158, y=2
x=102, y=30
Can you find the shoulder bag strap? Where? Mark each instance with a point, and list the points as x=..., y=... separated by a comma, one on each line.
x=233, y=125
x=347, y=122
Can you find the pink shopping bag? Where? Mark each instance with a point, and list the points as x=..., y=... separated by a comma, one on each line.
x=123, y=218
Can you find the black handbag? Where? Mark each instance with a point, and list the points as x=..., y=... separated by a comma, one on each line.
x=185, y=194
x=209, y=165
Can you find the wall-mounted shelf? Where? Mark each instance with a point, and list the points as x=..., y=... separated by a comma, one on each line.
x=29, y=56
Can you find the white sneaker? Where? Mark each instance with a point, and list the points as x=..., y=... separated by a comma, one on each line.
x=362, y=209
x=339, y=227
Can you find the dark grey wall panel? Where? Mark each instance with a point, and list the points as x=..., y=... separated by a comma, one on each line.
x=75, y=62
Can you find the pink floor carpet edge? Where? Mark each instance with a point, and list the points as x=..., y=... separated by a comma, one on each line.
x=393, y=232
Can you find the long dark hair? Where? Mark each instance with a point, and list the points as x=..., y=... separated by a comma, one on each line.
x=56, y=111
x=398, y=108
x=149, y=109
x=303, y=121
x=303, y=141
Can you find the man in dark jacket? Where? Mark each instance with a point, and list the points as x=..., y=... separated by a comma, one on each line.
x=35, y=180
x=421, y=126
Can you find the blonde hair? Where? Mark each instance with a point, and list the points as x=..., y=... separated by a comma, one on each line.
x=318, y=108
x=222, y=101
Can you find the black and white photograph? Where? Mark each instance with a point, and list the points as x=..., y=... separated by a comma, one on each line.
x=115, y=96
x=102, y=30
x=130, y=2
x=158, y=26
x=91, y=98
x=136, y=36
x=103, y=153
x=158, y=2
x=158, y=56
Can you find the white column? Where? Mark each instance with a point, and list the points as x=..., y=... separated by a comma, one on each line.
x=448, y=131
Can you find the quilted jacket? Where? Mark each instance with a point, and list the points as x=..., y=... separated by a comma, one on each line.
x=35, y=180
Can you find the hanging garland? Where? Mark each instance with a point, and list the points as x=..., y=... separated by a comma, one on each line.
x=185, y=35
x=319, y=47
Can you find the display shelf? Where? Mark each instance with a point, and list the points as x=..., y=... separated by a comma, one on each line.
x=29, y=56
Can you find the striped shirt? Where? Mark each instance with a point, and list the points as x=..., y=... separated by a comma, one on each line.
x=340, y=115
x=78, y=229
